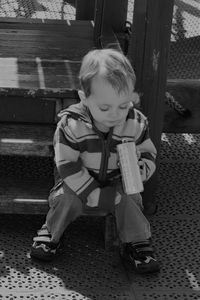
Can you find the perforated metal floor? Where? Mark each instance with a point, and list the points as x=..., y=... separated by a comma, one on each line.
x=84, y=270
x=176, y=225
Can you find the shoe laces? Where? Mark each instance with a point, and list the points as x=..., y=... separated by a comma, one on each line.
x=141, y=249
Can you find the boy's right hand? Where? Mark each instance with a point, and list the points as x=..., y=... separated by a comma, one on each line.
x=93, y=198
x=118, y=198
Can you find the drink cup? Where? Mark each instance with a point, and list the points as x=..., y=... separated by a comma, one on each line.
x=129, y=167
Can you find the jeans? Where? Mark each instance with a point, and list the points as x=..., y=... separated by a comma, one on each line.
x=65, y=207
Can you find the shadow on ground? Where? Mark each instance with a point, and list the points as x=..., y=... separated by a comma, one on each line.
x=84, y=270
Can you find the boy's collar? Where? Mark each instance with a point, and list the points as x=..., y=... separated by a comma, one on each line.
x=81, y=112
x=77, y=111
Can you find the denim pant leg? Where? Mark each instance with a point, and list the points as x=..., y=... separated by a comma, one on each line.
x=65, y=207
x=132, y=225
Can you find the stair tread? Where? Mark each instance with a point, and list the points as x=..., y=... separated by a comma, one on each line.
x=29, y=196
x=20, y=139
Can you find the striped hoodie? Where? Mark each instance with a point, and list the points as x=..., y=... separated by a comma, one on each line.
x=85, y=160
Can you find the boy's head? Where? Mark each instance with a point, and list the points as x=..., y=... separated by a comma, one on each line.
x=111, y=65
x=107, y=80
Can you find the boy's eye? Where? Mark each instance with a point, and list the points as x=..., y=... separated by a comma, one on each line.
x=106, y=108
x=103, y=108
x=124, y=107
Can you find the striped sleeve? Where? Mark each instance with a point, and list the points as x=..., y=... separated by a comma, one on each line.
x=69, y=164
x=144, y=144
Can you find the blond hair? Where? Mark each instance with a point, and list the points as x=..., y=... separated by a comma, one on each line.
x=111, y=64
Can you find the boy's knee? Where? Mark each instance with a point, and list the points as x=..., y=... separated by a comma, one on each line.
x=65, y=199
x=134, y=198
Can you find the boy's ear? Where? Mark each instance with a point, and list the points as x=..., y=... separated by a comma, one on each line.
x=136, y=98
x=82, y=96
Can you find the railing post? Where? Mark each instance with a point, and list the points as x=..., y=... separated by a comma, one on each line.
x=98, y=22
x=115, y=12
x=148, y=53
x=85, y=9
x=115, y=15
x=110, y=16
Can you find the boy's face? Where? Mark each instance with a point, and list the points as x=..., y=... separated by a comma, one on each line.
x=107, y=107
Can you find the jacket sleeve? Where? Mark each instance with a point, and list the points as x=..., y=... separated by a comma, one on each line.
x=72, y=171
x=69, y=164
x=147, y=160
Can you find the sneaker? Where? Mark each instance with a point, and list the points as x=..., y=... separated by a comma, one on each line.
x=42, y=247
x=140, y=256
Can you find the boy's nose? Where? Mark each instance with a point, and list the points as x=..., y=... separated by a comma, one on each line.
x=114, y=114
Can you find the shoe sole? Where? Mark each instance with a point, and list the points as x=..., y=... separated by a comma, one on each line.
x=39, y=256
x=131, y=266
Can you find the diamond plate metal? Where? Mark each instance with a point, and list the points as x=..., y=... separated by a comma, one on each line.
x=178, y=189
x=181, y=147
x=175, y=227
x=168, y=296
x=176, y=243
x=83, y=270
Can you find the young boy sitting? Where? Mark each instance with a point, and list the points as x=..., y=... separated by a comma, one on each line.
x=86, y=159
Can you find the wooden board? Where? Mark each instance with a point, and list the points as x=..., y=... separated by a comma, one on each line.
x=46, y=40
x=29, y=197
x=21, y=139
x=42, y=59
x=23, y=196
x=30, y=110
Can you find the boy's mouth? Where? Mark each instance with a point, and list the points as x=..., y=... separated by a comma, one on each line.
x=114, y=122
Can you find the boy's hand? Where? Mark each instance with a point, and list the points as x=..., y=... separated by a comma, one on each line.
x=117, y=198
x=138, y=153
x=93, y=198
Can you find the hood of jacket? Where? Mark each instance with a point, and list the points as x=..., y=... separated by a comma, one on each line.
x=77, y=111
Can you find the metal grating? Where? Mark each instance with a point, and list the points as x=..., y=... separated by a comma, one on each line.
x=130, y=10
x=180, y=189
x=38, y=9
x=183, y=199
x=184, y=57
x=182, y=147
x=175, y=227
x=84, y=270
x=168, y=296
x=178, y=252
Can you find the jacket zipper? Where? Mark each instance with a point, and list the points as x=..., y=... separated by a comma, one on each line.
x=104, y=161
x=105, y=157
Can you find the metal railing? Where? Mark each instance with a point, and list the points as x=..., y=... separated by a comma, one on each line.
x=184, y=58
x=38, y=9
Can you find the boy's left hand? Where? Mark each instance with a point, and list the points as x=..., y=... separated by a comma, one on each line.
x=138, y=153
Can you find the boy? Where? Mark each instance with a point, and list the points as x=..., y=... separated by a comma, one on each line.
x=86, y=159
